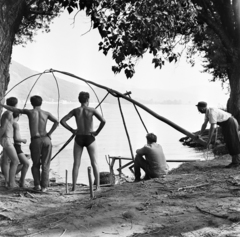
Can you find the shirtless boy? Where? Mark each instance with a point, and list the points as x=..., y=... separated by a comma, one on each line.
x=85, y=136
x=6, y=140
x=17, y=144
x=41, y=146
x=24, y=163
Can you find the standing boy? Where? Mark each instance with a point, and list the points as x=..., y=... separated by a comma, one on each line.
x=41, y=146
x=17, y=144
x=85, y=136
x=6, y=140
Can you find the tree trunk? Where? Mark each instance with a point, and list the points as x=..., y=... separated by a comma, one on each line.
x=233, y=105
x=11, y=14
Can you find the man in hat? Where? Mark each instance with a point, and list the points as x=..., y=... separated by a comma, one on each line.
x=229, y=127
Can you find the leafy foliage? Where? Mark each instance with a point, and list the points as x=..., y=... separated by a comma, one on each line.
x=130, y=28
x=37, y=15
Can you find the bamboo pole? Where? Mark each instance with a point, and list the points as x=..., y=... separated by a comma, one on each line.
x=118, y=94
x=66, y=181
x=90, y=182
x=139, y=115
x=125, y=126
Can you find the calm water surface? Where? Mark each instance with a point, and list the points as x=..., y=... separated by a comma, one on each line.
x=113, y=140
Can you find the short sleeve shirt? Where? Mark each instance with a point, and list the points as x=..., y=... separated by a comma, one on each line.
x=214, y=115
x=155, y=157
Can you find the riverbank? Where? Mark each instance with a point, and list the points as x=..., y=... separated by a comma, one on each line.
x=197, y=199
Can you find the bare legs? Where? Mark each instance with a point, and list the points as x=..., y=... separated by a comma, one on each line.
x=77, y=154
x=9, y=173
x=25, y=165
x=92, y=151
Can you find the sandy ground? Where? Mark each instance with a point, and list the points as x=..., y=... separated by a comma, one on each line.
x=197, y=199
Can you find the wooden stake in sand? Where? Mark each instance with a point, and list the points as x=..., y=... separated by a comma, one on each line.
x=90, y=182
x=66, y=181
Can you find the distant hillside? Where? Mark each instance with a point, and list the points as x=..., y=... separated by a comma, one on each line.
x=46, y=87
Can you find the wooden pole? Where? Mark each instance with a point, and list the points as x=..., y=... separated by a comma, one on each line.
x=125, y=126
x=118, y=94
x=139, y=115
x=66, y=181
x=90, y=182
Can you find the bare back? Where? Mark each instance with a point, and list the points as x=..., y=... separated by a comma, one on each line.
x=37, y=121
x=84, y=119
x=7, y=125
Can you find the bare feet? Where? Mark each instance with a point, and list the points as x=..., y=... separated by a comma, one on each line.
x=98, y=189
x=22, y=184
x=11, y=187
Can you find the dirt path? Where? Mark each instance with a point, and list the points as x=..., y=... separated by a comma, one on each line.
x=197, y=199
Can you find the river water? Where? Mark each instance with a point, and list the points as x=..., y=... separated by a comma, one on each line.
x=113, y=140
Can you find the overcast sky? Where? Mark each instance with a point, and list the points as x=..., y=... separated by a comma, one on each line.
x=70, y=47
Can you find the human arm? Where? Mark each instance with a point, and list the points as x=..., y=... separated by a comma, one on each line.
x=6, y=118
x=54, y=126
x=141, y=151
x=204, y=125
x=211, y=131
x=14, y=109
x=64, y=120
x=101, y=125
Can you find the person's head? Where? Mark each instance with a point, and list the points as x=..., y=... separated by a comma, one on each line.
x=36, y=100
x=83, y=97
x=151, y=138
x=12, y=101
x=202, y=107
x=15, y=116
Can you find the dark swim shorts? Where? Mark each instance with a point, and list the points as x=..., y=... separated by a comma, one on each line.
x=18, y=148
x=84, y=140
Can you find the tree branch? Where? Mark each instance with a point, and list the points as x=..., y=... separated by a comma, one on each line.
x=216, y=28
x=40, y=13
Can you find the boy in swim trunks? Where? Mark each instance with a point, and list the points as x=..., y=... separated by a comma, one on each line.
x=17, y=144
x=85, y=136
x=6, y=140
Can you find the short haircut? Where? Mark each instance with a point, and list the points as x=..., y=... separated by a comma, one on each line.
x=12, y=101
x=151, y=137
x=83, y=97
x=15, y=114
x=36, y=100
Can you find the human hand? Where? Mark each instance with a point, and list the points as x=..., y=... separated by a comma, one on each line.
x=94, y=133
x=74, y=131
x=24, y=141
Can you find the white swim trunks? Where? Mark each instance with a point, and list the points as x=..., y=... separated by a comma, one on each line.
x=6, y=142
